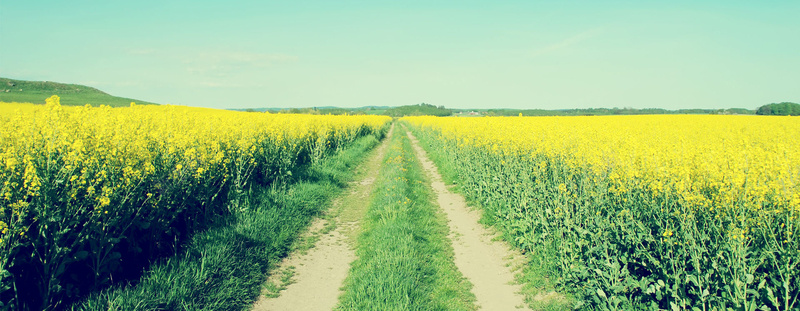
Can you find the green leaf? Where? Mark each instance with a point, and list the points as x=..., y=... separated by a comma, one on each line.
x=601, y=293
x=81, y=255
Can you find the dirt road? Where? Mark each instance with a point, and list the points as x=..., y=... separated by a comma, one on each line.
x=317, y=274
x=487, y=263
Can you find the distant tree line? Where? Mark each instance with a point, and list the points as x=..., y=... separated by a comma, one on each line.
x=422, y=109
x=322, y=111
x=784, y=108
x=779, y=109
x=611, y=111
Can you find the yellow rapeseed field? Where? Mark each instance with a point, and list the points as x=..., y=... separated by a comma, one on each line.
x=99, y=153
x=708, y=161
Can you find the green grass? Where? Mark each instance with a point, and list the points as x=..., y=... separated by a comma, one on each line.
x=273, y=289
x=405, y=260
x=71, y=94
x=225, y=267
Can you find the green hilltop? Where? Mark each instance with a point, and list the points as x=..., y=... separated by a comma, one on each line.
x=71, y=94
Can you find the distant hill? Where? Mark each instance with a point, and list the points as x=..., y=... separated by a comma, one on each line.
x=71, y=94
x=419, y=110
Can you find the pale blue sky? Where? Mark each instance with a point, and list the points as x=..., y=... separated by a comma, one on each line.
x=462, y=54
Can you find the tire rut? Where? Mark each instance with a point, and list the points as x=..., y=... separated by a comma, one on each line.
x=486, y=262
x=317, y=274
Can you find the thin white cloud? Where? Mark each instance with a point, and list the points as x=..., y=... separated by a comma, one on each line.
x=141, y=51
x=230, y=69
x=99, y=84
x=223, y=64
x=567, y=42
x=212, y=84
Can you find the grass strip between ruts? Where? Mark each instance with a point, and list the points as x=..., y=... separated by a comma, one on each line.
x=405, y=260
x=225, y=267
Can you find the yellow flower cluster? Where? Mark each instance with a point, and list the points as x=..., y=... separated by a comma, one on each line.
x=708, y=161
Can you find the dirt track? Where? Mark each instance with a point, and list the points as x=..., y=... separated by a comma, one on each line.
x=487, y=263
x=319, y=273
